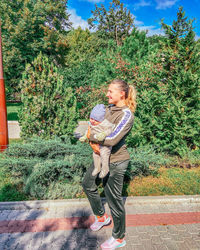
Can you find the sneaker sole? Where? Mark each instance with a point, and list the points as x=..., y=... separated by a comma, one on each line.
x=106, y=222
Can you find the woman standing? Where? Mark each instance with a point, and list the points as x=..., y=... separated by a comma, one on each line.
x=122, y=98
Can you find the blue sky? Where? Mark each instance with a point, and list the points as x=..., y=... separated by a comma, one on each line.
x=147, y=13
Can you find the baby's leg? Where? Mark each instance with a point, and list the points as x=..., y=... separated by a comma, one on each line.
x=97, y=164
x=105, y=156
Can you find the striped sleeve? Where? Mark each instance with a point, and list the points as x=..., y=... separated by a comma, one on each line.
x=121, y=129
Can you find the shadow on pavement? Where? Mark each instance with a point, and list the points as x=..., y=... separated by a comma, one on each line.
x=81, y=237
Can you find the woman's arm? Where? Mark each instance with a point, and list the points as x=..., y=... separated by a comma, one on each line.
x=122, y=127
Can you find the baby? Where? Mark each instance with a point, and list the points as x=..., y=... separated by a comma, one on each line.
x=101, y=128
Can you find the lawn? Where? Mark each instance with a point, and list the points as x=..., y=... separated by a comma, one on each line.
x=10, y=190
x=169, y=181
x=12, y=109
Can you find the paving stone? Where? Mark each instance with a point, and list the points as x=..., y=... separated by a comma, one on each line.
x=191, y=228
x=191, y=244
x=170, y=244
x=142, y=229
x=35, y=214
x=14, y=215
x=3, y=239
x=161, y=228
x=4, y=214
x=134, y=240
x=138, y=247
x=160, y=247
x=144, y=236
x=156, y=240
x=147, y=244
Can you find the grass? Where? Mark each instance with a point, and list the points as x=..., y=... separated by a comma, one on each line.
x=10, y=190
x=169, y=181
x=12, y=111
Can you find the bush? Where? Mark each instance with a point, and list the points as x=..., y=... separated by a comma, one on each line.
x=145, y=161
x=49, y=108
x=42, y=165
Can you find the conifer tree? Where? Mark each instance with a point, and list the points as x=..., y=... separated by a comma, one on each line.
x=49, y=108
x=28, y=27
x=115, y=23
x=182, y=78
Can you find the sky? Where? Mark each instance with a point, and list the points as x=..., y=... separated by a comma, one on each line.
x=147, y=13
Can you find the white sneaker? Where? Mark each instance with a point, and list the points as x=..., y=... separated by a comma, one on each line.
x=113, y=243
x=100, y=222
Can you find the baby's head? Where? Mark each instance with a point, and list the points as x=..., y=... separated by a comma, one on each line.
x=97, y=114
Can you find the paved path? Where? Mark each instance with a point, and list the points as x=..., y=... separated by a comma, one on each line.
x=14, y=129
x=152, y=223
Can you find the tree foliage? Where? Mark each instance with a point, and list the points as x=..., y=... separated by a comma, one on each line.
x=28, y=28
x=49, y=108
x=115, y=23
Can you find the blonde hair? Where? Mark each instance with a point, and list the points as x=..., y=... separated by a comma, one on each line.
x=130, y=93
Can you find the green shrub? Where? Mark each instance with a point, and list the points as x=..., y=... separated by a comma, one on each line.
x=49, y=108
x=42, y=165
x=145, y=161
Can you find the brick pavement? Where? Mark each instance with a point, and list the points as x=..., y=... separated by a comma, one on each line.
x=152, y=223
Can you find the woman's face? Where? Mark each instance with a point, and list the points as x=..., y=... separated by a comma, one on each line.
x=114, y=94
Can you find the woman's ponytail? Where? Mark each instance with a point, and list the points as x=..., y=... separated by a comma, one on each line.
x=131, y=99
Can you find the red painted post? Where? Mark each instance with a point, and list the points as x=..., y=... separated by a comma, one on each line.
x=3, y=111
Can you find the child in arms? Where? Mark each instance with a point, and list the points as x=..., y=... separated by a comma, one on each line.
x=101, y=128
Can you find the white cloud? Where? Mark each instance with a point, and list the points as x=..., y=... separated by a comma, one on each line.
x=141, y=3
x=164, y=4
x=137, y=22
x=152, y=30
x=77, y=20
x=197, y=37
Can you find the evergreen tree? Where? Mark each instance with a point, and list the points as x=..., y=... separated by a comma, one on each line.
x=182, y=76
x=49, y=108
x=115, y=23
x=29, y=27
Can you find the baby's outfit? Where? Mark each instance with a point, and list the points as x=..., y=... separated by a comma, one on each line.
x=101, y=154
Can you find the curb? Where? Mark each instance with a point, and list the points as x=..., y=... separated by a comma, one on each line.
x=138, y=200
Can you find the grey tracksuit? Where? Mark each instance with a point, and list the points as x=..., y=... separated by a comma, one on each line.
x=113, y=182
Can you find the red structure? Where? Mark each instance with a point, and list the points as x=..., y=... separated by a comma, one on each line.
x=3, y=111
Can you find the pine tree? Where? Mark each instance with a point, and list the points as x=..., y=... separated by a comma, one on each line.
x=115, y=23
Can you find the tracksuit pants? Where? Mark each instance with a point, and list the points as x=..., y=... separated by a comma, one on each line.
x=113, y=184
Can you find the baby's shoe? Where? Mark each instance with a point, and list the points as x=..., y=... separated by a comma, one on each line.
x=100, y=221
x=103, y=173
x=113, y=243
x=95, y=171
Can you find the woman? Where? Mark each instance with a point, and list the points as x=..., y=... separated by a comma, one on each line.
x=122, y=98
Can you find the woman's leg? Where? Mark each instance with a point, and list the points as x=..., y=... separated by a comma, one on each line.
x=113, y=185
x=90, y=188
